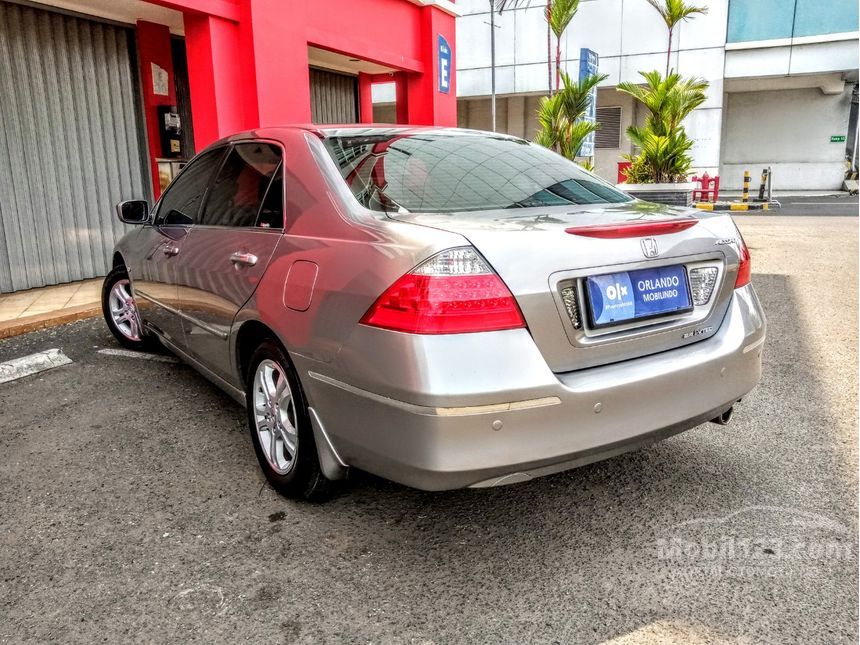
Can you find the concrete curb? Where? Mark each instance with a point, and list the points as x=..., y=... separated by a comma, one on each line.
x=19, y=326
x=735, y=206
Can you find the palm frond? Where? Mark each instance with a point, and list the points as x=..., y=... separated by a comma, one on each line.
x=674, y=11
x=561, y=126
x=559, y=15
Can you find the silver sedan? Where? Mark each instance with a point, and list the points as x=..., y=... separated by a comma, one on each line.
x=440, y=307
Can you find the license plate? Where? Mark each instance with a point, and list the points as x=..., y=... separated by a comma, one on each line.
x=616, y=298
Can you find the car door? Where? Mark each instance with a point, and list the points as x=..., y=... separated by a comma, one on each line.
x=227, y=252
x=155, y=285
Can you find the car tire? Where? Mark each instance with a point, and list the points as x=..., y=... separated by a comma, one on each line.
x=280, y=426
x=120, y=311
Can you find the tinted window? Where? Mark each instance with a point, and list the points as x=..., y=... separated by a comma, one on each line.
x=272, y=211
x=449, y=171
x=239, y=189
x=181, y=202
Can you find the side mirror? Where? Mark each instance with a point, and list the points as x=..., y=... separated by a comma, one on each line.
x=133, y=211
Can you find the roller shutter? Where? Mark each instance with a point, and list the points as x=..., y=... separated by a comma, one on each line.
x=334, y=97
x=70, y=145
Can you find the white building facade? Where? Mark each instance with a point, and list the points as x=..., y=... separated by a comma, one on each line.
x=782, y=74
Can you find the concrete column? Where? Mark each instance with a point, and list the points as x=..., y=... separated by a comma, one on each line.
x=516, y=116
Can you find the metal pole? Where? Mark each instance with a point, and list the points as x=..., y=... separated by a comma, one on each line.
x=746, y=194
x=493, y=65
x=770, y=184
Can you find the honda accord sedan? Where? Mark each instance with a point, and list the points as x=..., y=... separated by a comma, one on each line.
x=441, y=307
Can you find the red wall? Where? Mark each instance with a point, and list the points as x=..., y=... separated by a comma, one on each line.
x=248, y=59
x=153, y=46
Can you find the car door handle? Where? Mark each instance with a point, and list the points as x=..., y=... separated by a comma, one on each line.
x=248, y=259
x=170, y=250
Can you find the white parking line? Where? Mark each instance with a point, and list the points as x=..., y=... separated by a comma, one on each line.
x=32, y=364
x=126, y=353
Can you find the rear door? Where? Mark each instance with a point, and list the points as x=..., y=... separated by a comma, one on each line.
x=226, y=254
x=164, y=245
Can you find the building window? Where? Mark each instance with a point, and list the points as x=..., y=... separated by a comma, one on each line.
x=609, y=134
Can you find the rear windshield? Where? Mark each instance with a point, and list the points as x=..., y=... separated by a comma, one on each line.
x=448, y=172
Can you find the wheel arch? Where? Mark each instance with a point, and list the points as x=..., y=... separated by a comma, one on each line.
x=251, y=333
x=249, y=336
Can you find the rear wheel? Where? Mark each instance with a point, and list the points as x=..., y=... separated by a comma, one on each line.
x=280, y=426
x=120, y=310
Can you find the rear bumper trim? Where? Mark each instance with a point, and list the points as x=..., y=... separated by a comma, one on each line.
x=426, y=410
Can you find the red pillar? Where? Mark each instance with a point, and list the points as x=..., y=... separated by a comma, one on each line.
x=427, y=105
x=154, y=53
x=365, y=98
x=277, y=33
x=401, y=94
x=219, y=78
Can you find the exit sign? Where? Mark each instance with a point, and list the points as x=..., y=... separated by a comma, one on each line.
x=837, y=138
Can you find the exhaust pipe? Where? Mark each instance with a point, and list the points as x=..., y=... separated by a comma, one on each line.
x=725, y=417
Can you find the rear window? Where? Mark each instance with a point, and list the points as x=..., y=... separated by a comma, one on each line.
x=448, y=172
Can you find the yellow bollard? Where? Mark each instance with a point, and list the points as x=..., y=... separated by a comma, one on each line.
x=746, y=197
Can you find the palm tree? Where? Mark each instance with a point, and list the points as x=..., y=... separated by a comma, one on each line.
x=561, y=126
x=559, y=13
x=672, y=12
x=663, y=143
x=668, y=101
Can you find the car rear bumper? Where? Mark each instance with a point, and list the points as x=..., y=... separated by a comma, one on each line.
x=568, y=420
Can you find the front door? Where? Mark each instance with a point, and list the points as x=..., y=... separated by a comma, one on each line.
x=226, y=254
x=155, y=282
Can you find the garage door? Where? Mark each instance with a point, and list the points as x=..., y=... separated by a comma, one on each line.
x=70, y=145
x=334, y=97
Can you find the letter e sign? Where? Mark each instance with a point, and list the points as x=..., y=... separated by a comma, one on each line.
x=444, y=65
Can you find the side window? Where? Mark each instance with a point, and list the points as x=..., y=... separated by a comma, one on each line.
x=272, y=211
x=238, y=191
x=181, y=202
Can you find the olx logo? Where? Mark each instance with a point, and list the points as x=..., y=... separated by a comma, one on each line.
x=616, y=291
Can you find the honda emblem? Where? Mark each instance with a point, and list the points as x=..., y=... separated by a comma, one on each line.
x=649, y=247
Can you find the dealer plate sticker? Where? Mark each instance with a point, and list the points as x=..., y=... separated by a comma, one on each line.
x=616, y=298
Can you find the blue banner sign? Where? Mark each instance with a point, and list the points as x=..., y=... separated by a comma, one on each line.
x=444, y=65
x=588, y=64
x=620, y=297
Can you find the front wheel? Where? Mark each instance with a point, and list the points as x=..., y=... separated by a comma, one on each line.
x=120, y=310
x=280, y=426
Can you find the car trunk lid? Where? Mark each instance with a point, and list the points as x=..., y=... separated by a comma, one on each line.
x=546, y=255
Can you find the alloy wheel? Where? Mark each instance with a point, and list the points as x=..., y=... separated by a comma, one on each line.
x=123, y=311
x=275, y=416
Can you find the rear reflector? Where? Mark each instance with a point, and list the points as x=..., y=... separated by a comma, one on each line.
x=744, y=267
x=454, y=292
x=633, y=229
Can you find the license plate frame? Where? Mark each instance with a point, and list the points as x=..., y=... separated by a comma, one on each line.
x=678, y=304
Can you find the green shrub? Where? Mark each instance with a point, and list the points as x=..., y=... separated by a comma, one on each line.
x=662, y=142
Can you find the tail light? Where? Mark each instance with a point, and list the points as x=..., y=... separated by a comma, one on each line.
x=745, y=266
x=454, y=292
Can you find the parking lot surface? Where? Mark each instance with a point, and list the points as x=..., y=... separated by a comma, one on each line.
x=132, y=508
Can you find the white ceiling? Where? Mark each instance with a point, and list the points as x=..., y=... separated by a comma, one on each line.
x=125, y=11
x=130, y=11
x=338, y=62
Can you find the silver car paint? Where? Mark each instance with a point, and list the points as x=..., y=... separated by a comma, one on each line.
x=448, y=411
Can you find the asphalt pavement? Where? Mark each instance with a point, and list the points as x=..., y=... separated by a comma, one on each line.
x=819, y=205
x=132, y=508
